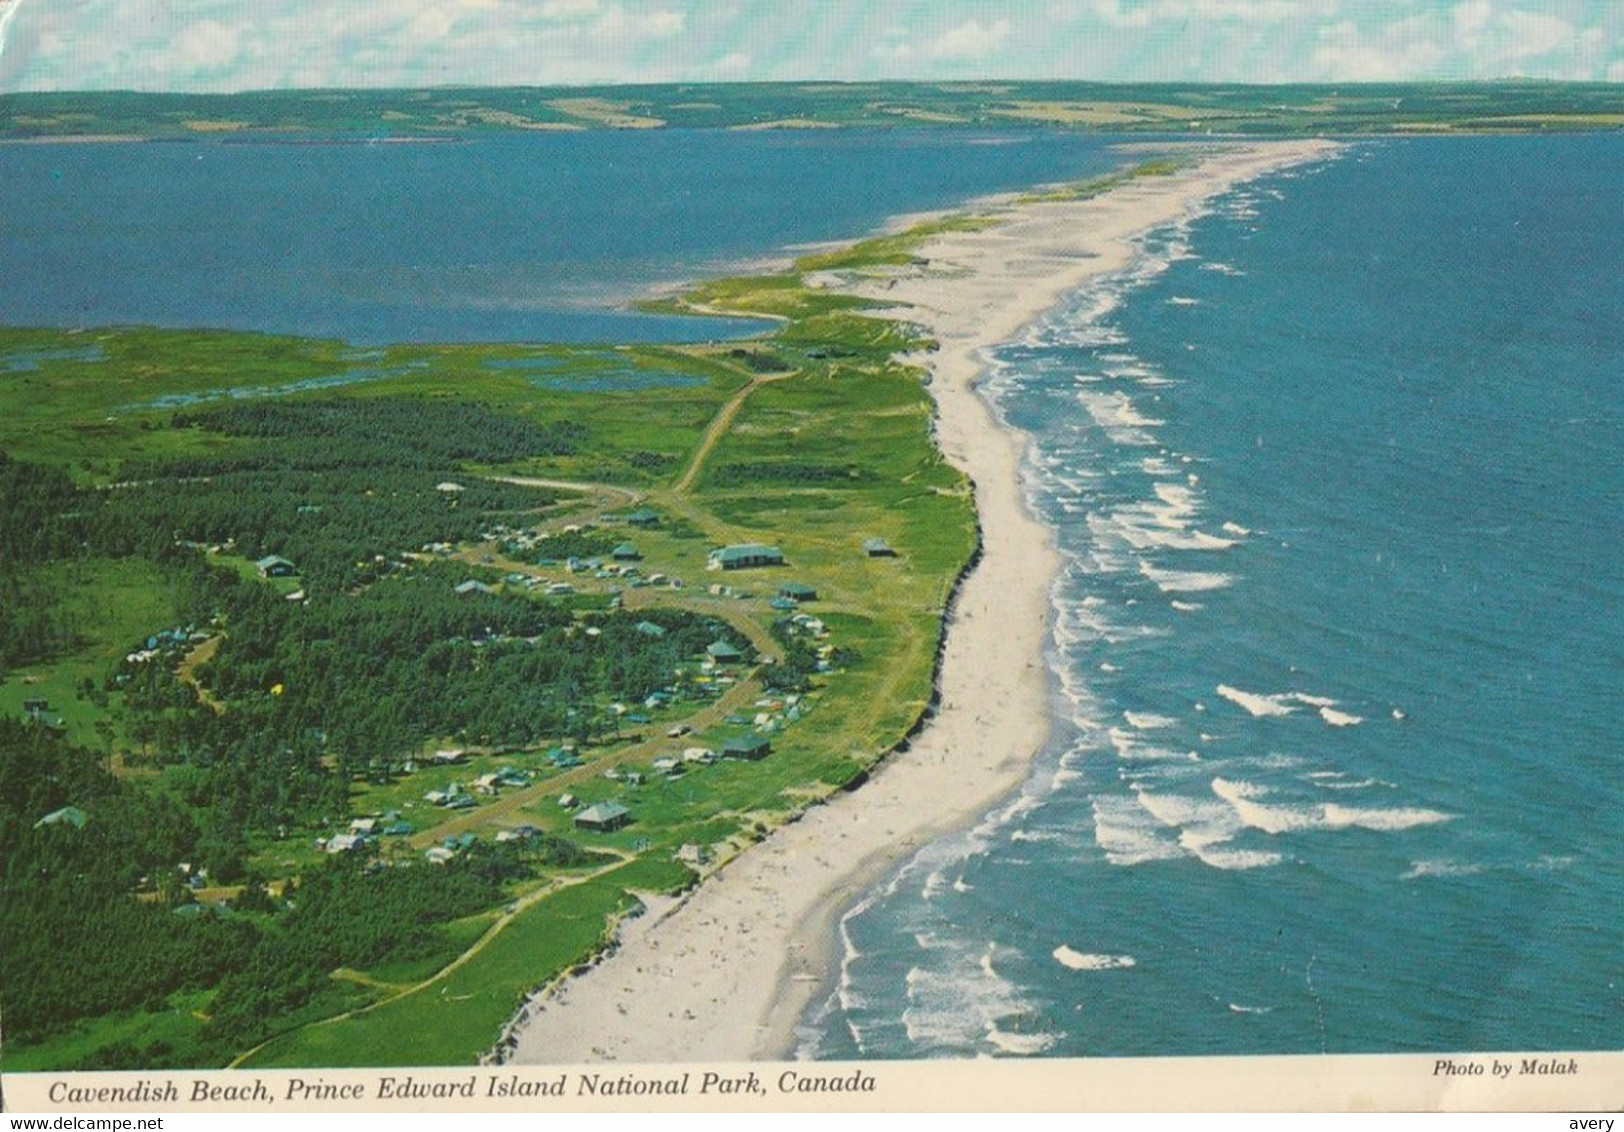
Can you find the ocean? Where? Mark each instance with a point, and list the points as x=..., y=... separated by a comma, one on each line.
x=1339, y=640
x=496, y=237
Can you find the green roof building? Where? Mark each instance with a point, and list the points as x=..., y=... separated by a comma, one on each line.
x=748, y=747
x=605, y=817
x=723, y=653
x=745, y=556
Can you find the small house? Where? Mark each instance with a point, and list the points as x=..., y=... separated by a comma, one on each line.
x=274, y=566
x=626, y=552
x=878, y=548
x=605, y=817
x=649, y=629
x=643, y=517
x=721, y=652
x=473, y=586
x=744, y=556
x=797, y=591
x=346, y=843
x=751, y=748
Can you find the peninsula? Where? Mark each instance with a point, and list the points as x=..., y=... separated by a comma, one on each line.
x=726, y=973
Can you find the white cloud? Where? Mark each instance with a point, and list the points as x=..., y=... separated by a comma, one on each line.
x=1535, y=33
x=970, y=40
x=1117, y=14
x=1470, y=17
x=238, y=44
x=208, y=44
x=566, y=9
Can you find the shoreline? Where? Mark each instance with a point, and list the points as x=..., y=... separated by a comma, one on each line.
x=727, y=973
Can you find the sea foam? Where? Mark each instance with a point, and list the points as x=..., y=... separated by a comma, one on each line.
x=1078, y=961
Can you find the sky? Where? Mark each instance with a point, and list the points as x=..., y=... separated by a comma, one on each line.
x=226, y=45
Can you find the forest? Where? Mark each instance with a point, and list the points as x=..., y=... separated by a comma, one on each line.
x=297, y=701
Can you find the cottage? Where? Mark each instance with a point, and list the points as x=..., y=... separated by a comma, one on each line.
x=878, y=548
x=273, y=566
x=626, y=552
x=721, y=652
x=439, y=855
x=473, y=586
x=603, y=817
x=649, y=629
x=798, y=591
x=643, y=517
x=744, y=556
x=346, y=843
x=748, y=747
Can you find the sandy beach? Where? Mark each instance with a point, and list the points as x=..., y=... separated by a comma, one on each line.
x=727, y=973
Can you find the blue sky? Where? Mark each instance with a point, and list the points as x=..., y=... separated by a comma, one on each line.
x=252, y=44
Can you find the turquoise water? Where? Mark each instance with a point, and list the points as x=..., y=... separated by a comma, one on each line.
x=532, y=238
x=1339, y=642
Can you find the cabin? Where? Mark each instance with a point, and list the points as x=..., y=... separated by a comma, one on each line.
x=878, y=548
x=605, y=817
x=643, y=517
x=649, y=629
x=744, y=556
x=346, y=843
x=473, y=586
x=625, y=552
x=720, y=652
x=275, y=566
x=797, y=591
x=751, y=748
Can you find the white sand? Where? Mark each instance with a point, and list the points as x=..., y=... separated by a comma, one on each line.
x=726, y=975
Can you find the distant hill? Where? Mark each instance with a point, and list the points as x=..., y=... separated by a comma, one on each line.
x=1509, y=106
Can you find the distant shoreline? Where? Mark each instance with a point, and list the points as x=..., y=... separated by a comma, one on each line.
x=728, y=973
